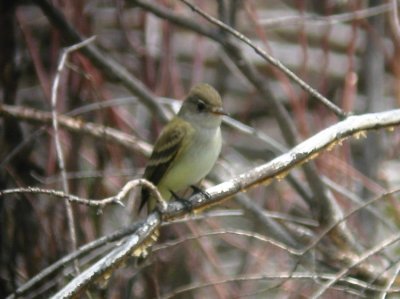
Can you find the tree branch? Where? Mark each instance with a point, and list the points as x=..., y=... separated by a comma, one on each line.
x=111, y=69
x=322, y=203
x=263, y=174
x=78, y=126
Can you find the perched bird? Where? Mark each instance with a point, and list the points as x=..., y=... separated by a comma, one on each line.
x=188, y=146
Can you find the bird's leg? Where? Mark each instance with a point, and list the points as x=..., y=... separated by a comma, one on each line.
x=187, y=204
x=197, y=190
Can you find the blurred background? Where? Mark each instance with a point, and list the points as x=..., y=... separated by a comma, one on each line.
x=347, y=50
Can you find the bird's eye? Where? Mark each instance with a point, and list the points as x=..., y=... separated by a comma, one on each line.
x=201, y=106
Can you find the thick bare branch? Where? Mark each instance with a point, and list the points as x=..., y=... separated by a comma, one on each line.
x=263, y=174
x=105, y=266
x=322, y=203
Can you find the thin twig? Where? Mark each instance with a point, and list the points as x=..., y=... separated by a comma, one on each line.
x=325, y=202
x=77, y=125
x=280, y=276
x=110, y=68
x=61, y=264
x=377, y=213
x=335, y=109
x=316, y=20
x=391, y=281
x=100, y=203
x=307, y=150
x=304, y=152
x=346, y=217
x=102, y=241
x=374, y=250
x=236, y=232
x=60, y=155
x=112, y=260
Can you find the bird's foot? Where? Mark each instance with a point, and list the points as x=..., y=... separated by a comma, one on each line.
x=186, y=203
x=197, y=190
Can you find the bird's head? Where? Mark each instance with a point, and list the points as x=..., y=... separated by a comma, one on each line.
x=203, y=106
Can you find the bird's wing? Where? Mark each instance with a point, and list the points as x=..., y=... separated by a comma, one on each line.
x=165, y=150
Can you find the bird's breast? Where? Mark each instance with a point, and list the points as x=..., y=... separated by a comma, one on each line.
x=195, y=163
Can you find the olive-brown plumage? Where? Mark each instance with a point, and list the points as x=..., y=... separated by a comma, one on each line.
x=188, y=146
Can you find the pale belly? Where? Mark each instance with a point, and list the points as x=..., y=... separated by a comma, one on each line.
x=193, y=167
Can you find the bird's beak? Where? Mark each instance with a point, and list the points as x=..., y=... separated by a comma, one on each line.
x=219, y=111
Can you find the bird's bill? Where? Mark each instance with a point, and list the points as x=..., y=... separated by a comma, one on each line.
x=218, y=111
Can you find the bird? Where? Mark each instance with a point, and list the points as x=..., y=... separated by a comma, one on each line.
x=187, y=147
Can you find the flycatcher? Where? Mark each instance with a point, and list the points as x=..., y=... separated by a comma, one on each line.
x=188, y=146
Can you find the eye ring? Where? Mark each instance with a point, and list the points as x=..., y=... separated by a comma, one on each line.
x=201, y=106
